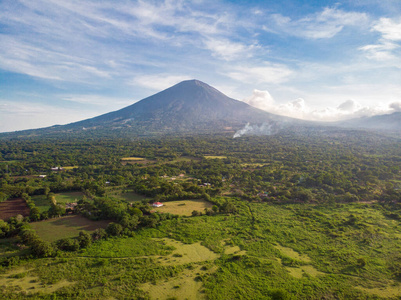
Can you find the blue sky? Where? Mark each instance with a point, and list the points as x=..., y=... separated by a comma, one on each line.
x=64, y=61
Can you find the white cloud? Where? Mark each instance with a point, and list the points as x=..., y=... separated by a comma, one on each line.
x=264, y=73
x=387, y=47
x=301, y=110
x=158, y=82
x=324, y=24
x=390, y=29
x=227, y=50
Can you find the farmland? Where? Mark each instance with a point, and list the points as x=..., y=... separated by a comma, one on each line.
x=11, y=208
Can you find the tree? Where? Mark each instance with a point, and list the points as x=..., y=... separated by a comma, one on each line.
x=34, y=214
x=84, y=239
x=114, y=229
x=43, y=249
x=99, y=234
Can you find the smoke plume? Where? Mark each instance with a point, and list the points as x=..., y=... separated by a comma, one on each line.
x=264, y=129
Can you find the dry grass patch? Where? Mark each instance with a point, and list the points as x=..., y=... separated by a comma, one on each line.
x=184, y=286
x=132, y=158
x=215, y=156
x=186, y=253
x=390, y=291
x=292, y=254
x=184, y=207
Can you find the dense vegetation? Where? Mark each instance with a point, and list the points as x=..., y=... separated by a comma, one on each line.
x=309, y=214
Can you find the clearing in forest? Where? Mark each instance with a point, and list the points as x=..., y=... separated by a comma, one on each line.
x=43, y=204
x=184, y=207
x=126, y=195
x=11, y=208
x=65, y=227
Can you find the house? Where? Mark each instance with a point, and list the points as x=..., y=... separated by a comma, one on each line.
x=157, y=204
x=57, y=169
x=42, y=176
x=263, y=195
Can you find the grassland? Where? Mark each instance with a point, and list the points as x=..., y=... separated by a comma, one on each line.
x=65, y=227
x=265, y=251
x=184, y=207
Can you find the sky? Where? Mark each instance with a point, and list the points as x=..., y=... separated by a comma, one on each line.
x=63, y=61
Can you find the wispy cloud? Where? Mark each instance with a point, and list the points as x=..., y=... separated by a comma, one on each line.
x=324, y=24
x=388, y=47
x=263, y=73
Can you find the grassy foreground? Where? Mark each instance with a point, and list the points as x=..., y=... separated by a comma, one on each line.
x=347, y=251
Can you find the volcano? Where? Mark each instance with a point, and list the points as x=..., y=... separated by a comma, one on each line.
x=190, y=106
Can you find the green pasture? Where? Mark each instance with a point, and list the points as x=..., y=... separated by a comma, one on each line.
x=127, y=195
x=66, y=227
x=43, y=204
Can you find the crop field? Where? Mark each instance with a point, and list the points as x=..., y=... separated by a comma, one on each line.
x=184, y=207
x=11, y=208
x=65, y=227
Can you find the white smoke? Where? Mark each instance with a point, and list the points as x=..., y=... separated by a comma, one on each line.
x=264, y=129
x=300, y=110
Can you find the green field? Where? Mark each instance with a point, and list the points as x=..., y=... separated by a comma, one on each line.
x=65, y=227
x=68, y=197
x=43, y=204
x=126, y=195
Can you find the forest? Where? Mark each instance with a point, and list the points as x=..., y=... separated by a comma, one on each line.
x=302, y=214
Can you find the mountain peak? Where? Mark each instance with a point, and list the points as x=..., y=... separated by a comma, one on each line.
x=188, y=106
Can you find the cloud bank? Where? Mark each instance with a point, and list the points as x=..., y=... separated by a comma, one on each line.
x=299, y=109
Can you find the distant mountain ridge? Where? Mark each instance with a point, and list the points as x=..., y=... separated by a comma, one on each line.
x=390, y=122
